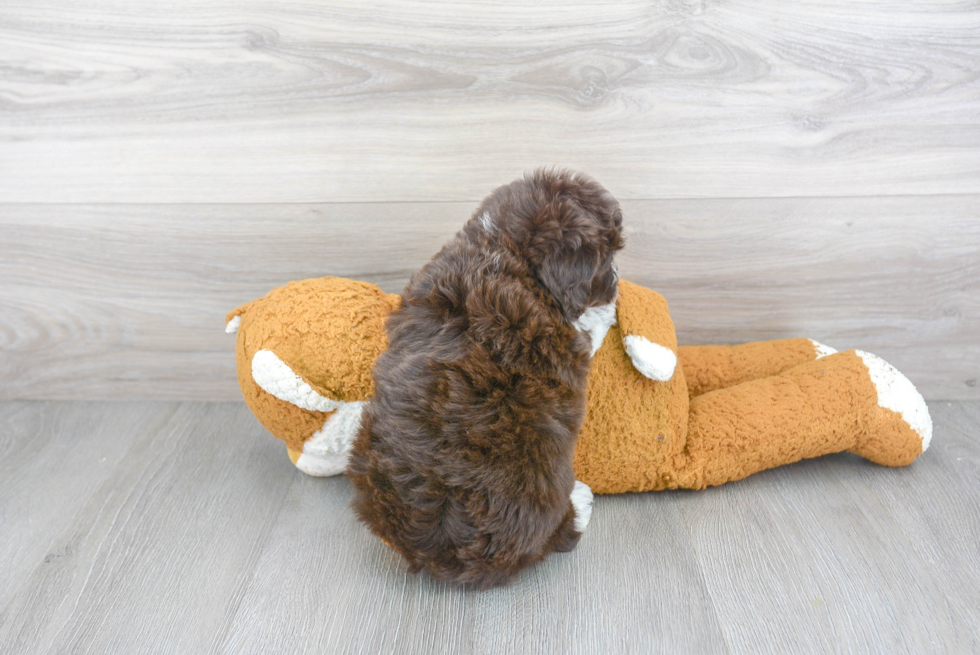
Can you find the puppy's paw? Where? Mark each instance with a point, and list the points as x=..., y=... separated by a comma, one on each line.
x=582, y=502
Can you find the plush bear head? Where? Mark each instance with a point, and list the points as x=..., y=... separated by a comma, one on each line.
x=330, y=331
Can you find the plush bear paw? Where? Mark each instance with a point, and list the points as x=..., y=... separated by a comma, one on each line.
x=651, y=359
x=897, y=393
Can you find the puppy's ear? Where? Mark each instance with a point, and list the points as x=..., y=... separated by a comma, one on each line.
x=567, y=274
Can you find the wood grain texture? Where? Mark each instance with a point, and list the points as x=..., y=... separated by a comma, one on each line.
x=592, y=602
x=107, y=301
x=53, y=457
x=861, y=555
x=157, y=558
x=203, y=538
x=405, y=100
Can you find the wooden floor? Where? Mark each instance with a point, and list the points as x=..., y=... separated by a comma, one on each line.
x=173, y=527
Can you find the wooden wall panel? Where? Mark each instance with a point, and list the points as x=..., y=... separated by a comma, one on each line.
x=110, y=301
x=402, y=100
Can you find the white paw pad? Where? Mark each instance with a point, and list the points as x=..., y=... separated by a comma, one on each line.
x=582, y=502
x=897, y=393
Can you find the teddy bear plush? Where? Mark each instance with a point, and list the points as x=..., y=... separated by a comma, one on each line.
x=659, y=416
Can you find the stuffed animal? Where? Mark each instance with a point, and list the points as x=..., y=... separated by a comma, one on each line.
x=659, y=416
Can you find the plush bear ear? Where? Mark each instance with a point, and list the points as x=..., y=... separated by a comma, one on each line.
x=234, y=318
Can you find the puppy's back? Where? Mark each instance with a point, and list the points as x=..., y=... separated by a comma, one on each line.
x=463, y=463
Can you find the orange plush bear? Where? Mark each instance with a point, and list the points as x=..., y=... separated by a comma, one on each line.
x=659, y=416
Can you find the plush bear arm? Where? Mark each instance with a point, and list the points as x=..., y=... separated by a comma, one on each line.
x=276, y=377
x=648, y=332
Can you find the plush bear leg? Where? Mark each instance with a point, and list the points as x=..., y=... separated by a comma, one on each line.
x=850, y=401
x=708, y=368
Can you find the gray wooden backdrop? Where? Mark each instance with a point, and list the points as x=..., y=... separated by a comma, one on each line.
x=807, y=168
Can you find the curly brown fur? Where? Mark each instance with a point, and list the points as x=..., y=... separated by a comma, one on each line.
x=463, y=463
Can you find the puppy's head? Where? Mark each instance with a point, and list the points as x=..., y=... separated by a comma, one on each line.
x=566, y=227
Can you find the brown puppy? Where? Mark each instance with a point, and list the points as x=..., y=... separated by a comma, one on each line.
x=463, y=462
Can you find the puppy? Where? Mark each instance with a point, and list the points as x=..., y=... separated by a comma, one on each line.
x=463, y=462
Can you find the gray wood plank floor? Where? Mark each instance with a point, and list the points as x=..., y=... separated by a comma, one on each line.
x=182, y=528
